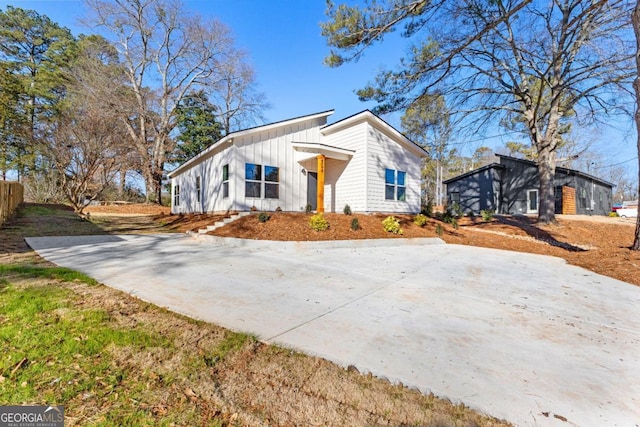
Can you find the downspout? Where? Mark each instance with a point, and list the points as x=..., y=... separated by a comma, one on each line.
x=366, y=169
x=500, y=191
x=234, y=176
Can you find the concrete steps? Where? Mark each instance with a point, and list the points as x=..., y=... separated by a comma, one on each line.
x=222, y=223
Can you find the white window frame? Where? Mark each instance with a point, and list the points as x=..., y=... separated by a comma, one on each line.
x=531, y=191
x=399, y=190
x=454, y=197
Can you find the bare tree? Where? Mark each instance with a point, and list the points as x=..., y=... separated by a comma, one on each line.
x=166, y=52
x=88, y=138
x=536, y=64
x=236, y=95
x=83, y=152
x=426, y=122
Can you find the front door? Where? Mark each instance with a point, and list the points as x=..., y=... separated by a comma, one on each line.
x=532, y=201
x=312, y=190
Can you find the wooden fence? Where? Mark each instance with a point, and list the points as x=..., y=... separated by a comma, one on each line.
x=11, y=195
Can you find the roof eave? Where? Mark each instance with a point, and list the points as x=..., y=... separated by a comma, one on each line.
x=368, y=115
x=187, y=165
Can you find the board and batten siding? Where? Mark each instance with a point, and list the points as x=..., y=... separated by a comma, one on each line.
x=210, y=172
x=477, y=190
x=346, y=181
x=384, y=153
x=273, y=148
x=363, y=145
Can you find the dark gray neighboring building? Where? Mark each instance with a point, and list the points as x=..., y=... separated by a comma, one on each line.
x=512, y=186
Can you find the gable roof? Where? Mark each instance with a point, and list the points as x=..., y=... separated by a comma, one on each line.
x=380, y=124
x=474, y=172
x=566, y=171
x=244, y=132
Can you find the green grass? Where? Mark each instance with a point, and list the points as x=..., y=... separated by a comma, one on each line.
x=38, y=210
x=231, y=342
x=57, y=273
x=54, y=350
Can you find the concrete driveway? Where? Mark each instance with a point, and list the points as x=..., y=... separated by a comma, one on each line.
x=522, y=337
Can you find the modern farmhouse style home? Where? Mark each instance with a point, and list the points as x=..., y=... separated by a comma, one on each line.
x=361, y=161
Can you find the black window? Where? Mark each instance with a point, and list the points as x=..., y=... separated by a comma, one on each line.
x=225, y=181
x=254, y=181
x=272, y=182
x=176, y=195
x=582, y=198
x=252, y=175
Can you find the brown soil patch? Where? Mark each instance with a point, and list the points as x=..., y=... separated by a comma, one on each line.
x=129, y=208
x=146, y=218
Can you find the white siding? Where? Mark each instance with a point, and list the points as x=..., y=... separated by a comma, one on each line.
x=383, y=153
x=358, y=181
x=273, y=148
x=348, y=179
x=210, y=172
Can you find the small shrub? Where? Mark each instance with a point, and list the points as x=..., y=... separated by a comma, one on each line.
x=318, y=222
x=439, y=230
x=392, y=225
x=420, y=220
x=355, y=224
x=487, y=214
x=613, y=214
x=454, y=223
x=278, y=209
x=447, y=217
x=347, y=210
x=427, y=209
x=264, y=217
x=457, y=210
x=308, y=209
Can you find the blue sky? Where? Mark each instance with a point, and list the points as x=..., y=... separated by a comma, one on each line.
x=283, y=40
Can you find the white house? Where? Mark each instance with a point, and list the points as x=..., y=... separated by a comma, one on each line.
x=361, y=161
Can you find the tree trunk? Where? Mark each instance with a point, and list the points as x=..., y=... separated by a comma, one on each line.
x=122, y=185
x=546, y=197
x=636, y=240
x=158, y=184
x=149, y=189
x=635, y=18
